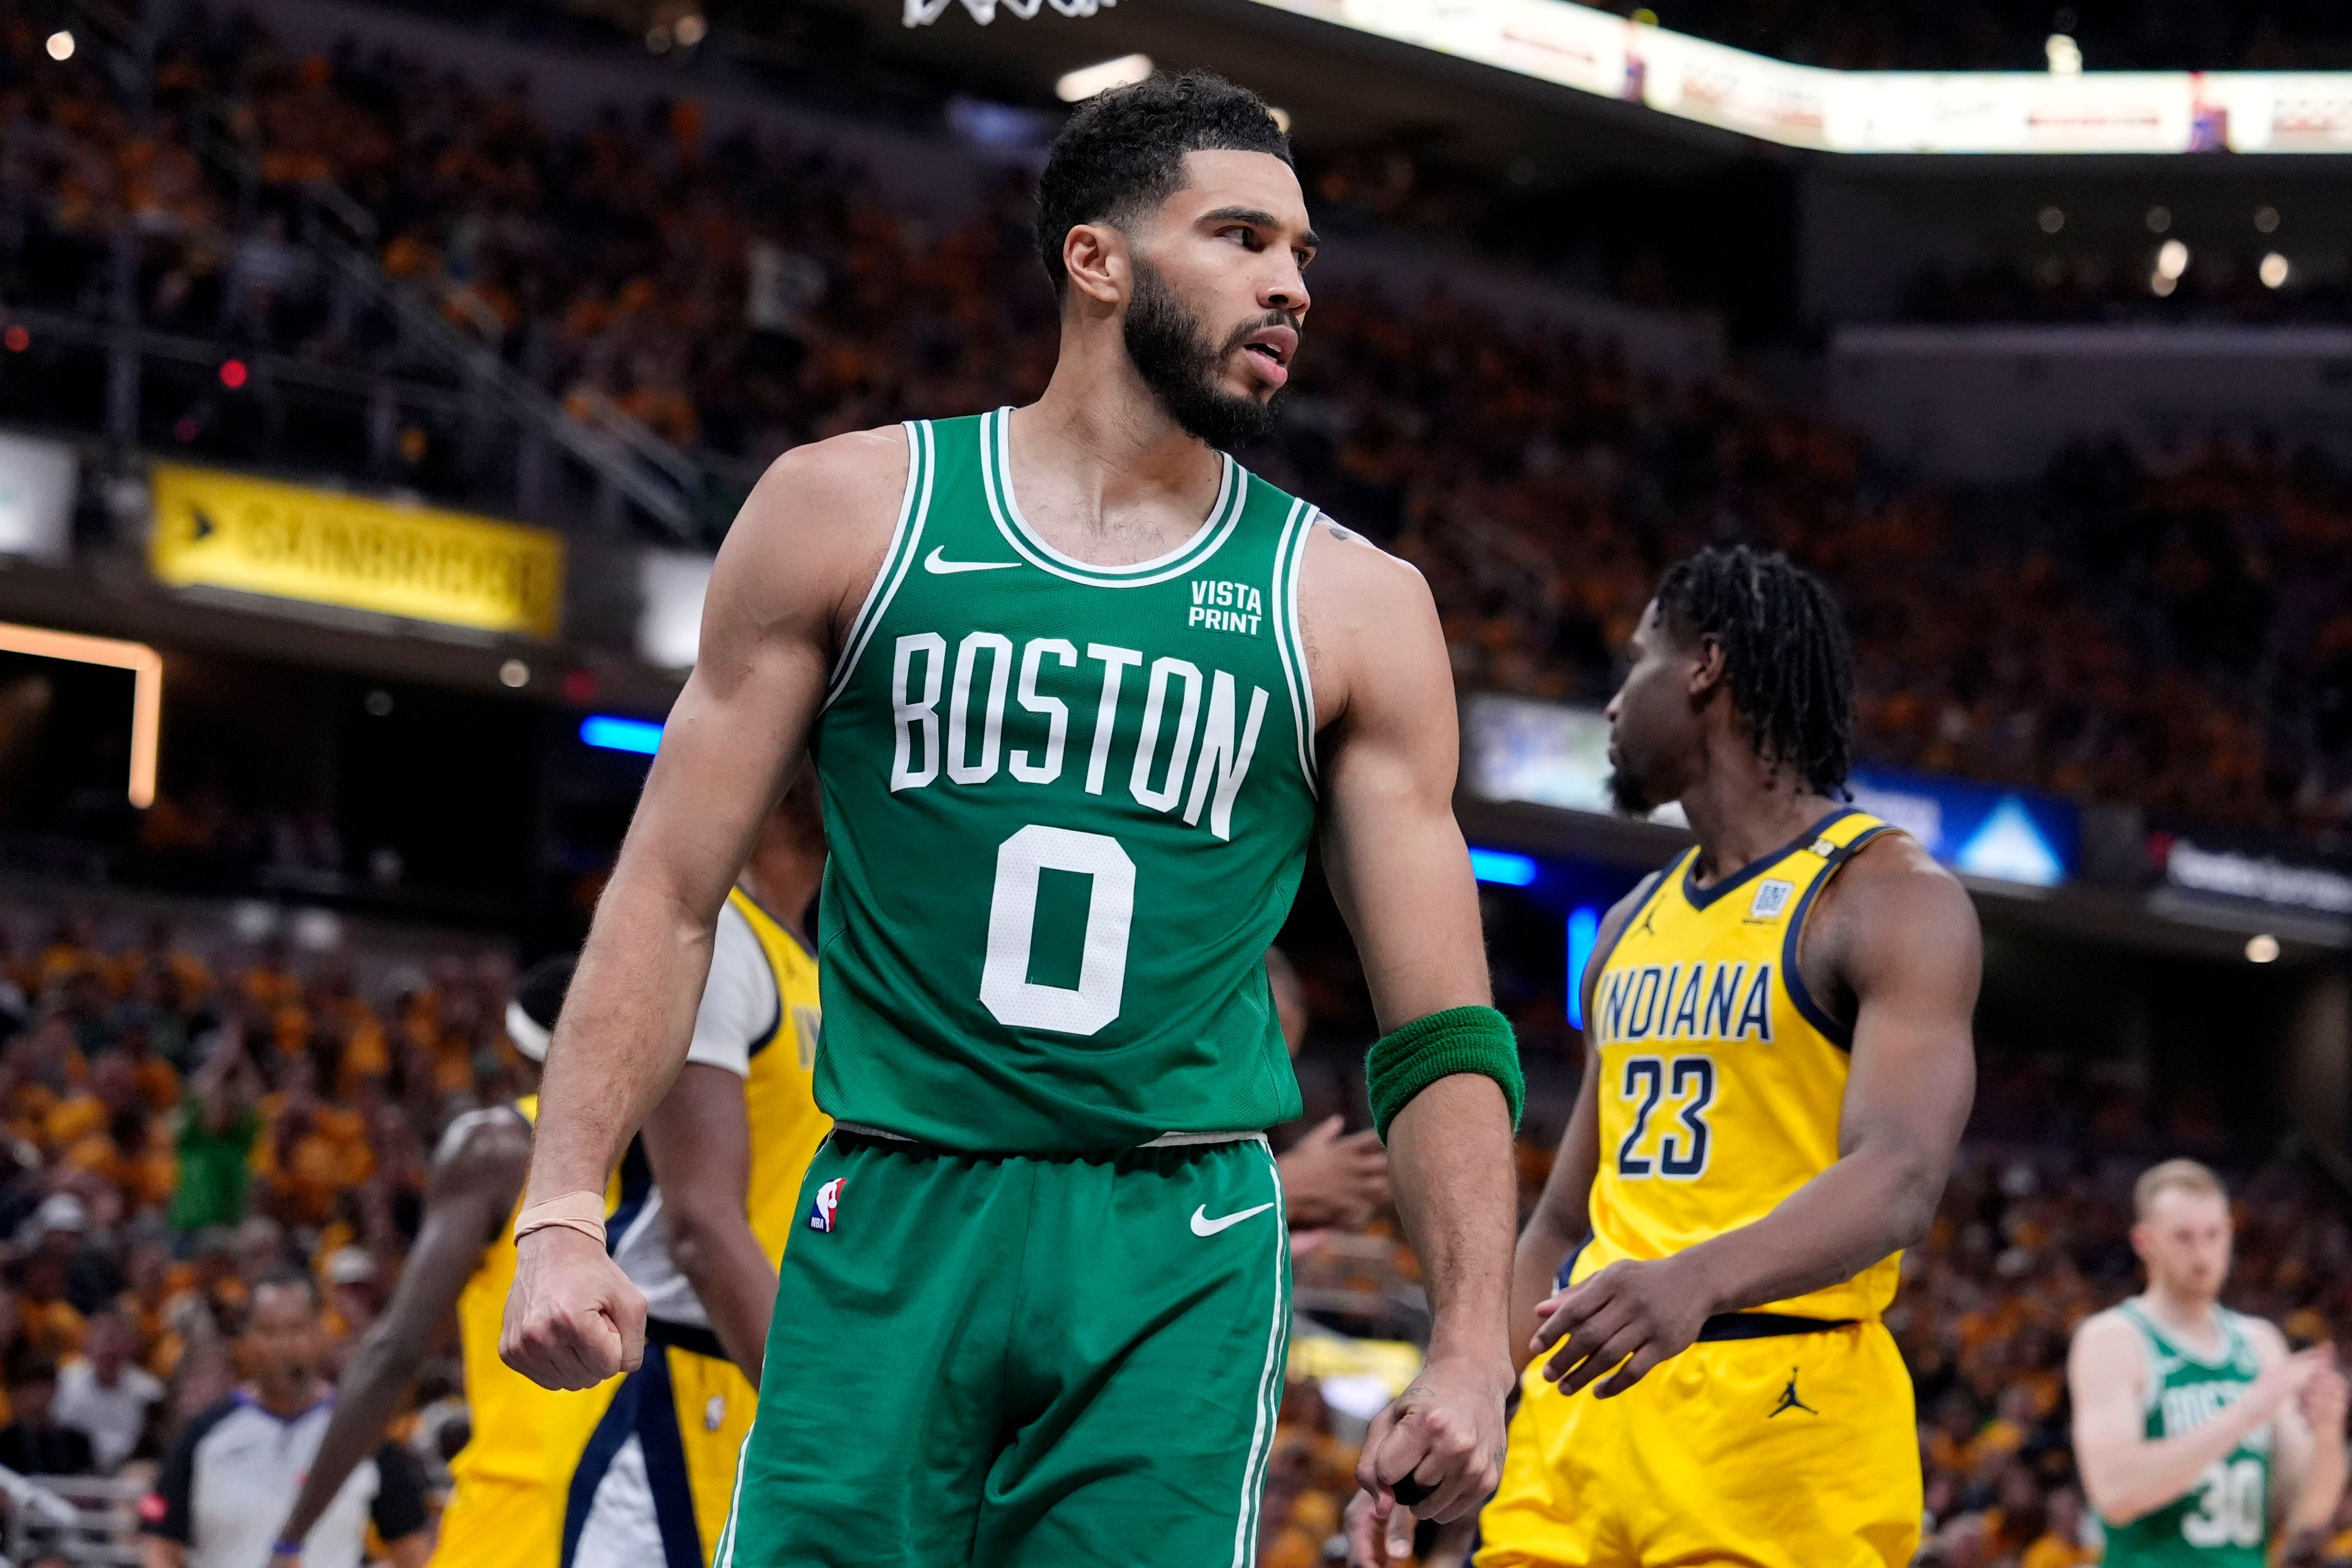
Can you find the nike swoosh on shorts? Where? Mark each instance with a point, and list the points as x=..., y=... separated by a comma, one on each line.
x=1203, y=1225
x=933, y=562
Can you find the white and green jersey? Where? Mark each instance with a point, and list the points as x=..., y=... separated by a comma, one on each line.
x=2223, y=1521
x=1068, y=807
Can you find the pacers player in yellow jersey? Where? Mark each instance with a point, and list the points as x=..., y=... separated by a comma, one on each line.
x=1779, y=1066
x=510, y=1477
x=703, y=1201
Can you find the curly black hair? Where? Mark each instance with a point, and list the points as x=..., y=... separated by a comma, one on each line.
x=1784, y=652
x=1123, y=151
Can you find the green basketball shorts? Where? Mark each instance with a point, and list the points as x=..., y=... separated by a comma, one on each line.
x=1017, y=1363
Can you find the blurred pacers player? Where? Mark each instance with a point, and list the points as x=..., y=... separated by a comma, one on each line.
x=639, y=1471
x=1779, y=1066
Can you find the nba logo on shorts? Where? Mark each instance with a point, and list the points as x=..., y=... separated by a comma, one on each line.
x=828, y=1198
x=1772, y=897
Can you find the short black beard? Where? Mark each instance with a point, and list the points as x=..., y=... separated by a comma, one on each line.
x=1628, y=795
x=1172, y=354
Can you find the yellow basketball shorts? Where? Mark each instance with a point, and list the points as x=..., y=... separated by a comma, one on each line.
x=1792, y=1451
x=512, y=1479
x=656, y=1480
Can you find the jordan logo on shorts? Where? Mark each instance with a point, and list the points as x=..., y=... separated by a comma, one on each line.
x=1788, y=1400
x=828, y=1198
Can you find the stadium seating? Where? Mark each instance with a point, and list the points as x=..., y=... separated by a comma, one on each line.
x=740, y=298
x=333, y=1070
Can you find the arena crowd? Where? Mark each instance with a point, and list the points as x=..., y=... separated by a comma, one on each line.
x=2169, y=631
x=187, y=1116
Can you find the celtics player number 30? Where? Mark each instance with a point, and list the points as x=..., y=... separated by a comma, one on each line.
x=1005, y=988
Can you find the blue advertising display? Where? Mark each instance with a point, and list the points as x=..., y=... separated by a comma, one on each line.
x=1983, y=830
x=1550, y=754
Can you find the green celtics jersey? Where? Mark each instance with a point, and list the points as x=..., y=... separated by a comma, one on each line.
x=2224, y=1520
x=1069, y=806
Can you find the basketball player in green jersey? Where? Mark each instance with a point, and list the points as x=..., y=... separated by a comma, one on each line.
x=2197, y=1434
x=1079, y=691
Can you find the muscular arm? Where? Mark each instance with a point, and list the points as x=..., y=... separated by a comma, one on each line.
x=1401, y=875
x=2125, y=1474
x=698, y=1141
x=1903, y=937
x=1900, y=934
x=476, y=1175
x=798, y=560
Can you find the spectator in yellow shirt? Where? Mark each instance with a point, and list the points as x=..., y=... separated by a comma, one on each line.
x=2059, y=1544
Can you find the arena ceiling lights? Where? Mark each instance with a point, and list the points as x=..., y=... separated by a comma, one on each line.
x=1867, y=112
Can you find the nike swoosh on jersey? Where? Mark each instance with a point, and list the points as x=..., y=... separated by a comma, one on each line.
x=1203, y=1225
x=934, y=562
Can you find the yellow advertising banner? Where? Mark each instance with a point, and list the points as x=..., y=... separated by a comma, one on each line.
x=227, y=531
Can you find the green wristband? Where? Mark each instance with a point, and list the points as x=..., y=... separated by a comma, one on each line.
x=1405, y=1061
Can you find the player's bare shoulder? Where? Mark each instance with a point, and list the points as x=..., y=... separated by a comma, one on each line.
x=2107, y=1349
x=1893, y=893
x=484, y=1148
x=814, y=532
x=1364, y=614
x=2269, y=1344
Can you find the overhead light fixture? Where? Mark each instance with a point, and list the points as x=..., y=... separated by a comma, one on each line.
x=2066, y=55
x=1077, y=86
x=2261, y=949
x=2171, y=259
x=1281, y=118
x=61, y=45
x=2266, y=218
x=2158, y=220
x=2052, y=219
x=2274, y=271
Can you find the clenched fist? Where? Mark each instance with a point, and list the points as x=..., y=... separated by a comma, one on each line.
x=573, y=1320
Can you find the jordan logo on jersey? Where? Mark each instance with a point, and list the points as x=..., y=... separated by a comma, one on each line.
x=828, y=1199
x=1788, y=1400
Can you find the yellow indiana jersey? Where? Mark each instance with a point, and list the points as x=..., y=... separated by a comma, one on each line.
x=1722, y=1081
x=511, y=1477
x=779, y=1094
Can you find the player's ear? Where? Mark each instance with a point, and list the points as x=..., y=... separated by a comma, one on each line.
x=1706, y=665
x=1095, y=257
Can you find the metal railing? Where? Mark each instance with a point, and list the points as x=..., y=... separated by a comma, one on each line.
x=90, y=1519
x=631, y=471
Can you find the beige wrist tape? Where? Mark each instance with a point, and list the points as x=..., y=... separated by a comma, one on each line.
x=582, y=1212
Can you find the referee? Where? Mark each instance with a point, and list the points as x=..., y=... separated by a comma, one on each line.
x=233, y=1472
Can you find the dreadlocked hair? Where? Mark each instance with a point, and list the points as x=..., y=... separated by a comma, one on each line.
x=1784, y=652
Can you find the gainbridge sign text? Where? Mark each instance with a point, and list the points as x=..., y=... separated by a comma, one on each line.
x=226, y=531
